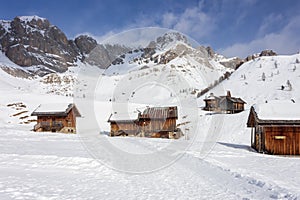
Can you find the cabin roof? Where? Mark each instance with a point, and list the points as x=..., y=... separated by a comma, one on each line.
x=275, y=112
x=211, y=97
x=55, y=109
x=227, y=97
x=123, y=112
x=233, y=99
x=278, y=110
x=148, y=113
x=123, y=117
x=160, y=113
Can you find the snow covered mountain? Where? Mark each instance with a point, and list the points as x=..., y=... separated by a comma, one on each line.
x=40, y=48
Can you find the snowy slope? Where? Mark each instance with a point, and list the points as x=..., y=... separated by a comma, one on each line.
x=232, y=151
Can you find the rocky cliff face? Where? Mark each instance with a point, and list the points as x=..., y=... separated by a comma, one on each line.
x=103, y=55
x=29, y=41
x=34, y=41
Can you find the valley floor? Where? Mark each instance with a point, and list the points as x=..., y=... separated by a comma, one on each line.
x=58, y=166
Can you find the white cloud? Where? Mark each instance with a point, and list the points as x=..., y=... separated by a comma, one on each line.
x=169, y=19
x=268, y=23
x=134, y=37
x=193, y=22
x=286, y=41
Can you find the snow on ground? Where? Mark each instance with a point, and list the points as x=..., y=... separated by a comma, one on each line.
x=216, y=163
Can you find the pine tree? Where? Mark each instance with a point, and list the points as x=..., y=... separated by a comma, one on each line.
x=263, y=76
x=289, y=85
x=276, y=65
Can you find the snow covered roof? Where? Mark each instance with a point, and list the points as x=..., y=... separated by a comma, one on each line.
x=123, y=117
x=54, y=109
x=278, y=110
x=151, y=112
x=123, y=112
x=211, y=97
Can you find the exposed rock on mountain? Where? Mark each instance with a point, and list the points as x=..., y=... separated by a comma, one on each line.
x=29, y=41
x=233, y=63
x=33, y=41
x=263, y=53
x=104, y=55
x=268, y=53
x=85, y=44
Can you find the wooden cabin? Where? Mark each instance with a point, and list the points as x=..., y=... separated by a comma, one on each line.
x=211, y=103
x=56, y=117
x=123, y=125
x=275, y=128
x=227, y=104
x=152, y=122
x=158, y=121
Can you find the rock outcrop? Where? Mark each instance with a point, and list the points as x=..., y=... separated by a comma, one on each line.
x=29, y=41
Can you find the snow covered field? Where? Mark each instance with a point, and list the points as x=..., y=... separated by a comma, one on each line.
x=215, y=163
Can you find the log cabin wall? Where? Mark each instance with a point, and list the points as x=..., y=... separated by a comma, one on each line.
x=157, y=125
x=282, y=140
x=211, y=104
x=67, y=121
x=129, y=128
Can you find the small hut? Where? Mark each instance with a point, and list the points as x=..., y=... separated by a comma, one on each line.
x=123, y=124
x=152, y=122
x=275, y=128
x=59, y=117
x=227, y=104
x=211, y=102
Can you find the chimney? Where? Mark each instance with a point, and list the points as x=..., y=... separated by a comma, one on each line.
x=228, y=93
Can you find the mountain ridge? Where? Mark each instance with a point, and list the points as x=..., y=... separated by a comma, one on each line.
x=38, y=47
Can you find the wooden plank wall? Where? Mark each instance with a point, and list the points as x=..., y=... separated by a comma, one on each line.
x=127, y=127
x=282, y=140
x=159, y=125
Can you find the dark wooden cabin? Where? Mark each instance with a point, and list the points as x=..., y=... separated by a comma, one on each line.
x=56, y=118
x=227, y=104
x=152, y=122
x=275, y=135
x=211, y=103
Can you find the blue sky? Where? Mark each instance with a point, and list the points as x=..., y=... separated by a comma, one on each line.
x=231, y=27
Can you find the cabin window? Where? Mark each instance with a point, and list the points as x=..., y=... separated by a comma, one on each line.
x=279, y=137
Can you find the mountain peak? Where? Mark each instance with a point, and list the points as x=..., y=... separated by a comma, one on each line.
x=168, y=40
x=31, y=18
